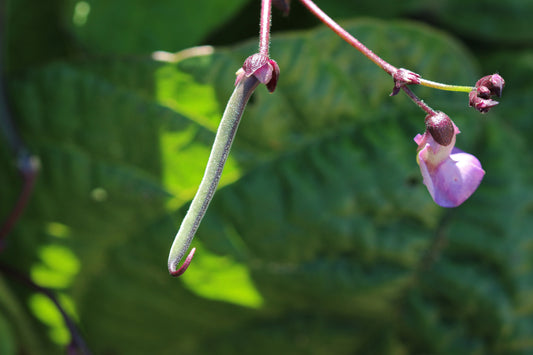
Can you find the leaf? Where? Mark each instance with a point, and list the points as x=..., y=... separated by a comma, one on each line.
x=98, y=186
x=16, y=329
x=488, y=21
x=7, y=343
x=330, y=209
x=321, y=211
x=34, y=33
x=141, y=26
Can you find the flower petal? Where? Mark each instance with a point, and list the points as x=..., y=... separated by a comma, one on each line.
x=454, y=180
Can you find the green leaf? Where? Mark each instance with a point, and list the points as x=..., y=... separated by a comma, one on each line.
x=321, y=223
x=16, y=329
x=141, y=26
x=7, y=342
x=488, y=21
x=334, y=204
x=34, y=33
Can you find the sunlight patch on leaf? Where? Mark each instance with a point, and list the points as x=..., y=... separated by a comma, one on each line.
x=221, y=278
x=81, y=13
x=57, y=268
x=46, y=311
x=184, y=161
x=99, y=194
x=180, y=92
x=58, y=230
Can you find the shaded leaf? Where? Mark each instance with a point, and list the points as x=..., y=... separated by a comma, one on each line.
x=142, y=26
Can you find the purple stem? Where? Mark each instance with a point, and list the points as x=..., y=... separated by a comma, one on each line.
x=418, y=101
x=28, y=168
x=264, y=27
x=27, y=165
x=77, y=341
x=321, y=15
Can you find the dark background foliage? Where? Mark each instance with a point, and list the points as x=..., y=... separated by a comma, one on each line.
x=321, y=239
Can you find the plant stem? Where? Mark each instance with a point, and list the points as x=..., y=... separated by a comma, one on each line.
x=27, y=164
x=446, y=87
x=264, y=27
x=213, y=171
x=28, y=167
x=77, y=342
x=321, y=15
x=389, y=68
x=420, y=103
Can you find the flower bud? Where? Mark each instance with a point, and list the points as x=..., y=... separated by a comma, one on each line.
x=486, y=87
x=494, y=83
x=440, y=127
x=481, y=104
x=263, y=68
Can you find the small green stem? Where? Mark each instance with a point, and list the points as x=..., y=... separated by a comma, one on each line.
x=213, y=171
x=440, y=86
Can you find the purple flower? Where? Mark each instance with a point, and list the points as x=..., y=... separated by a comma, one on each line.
x=450, y=175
